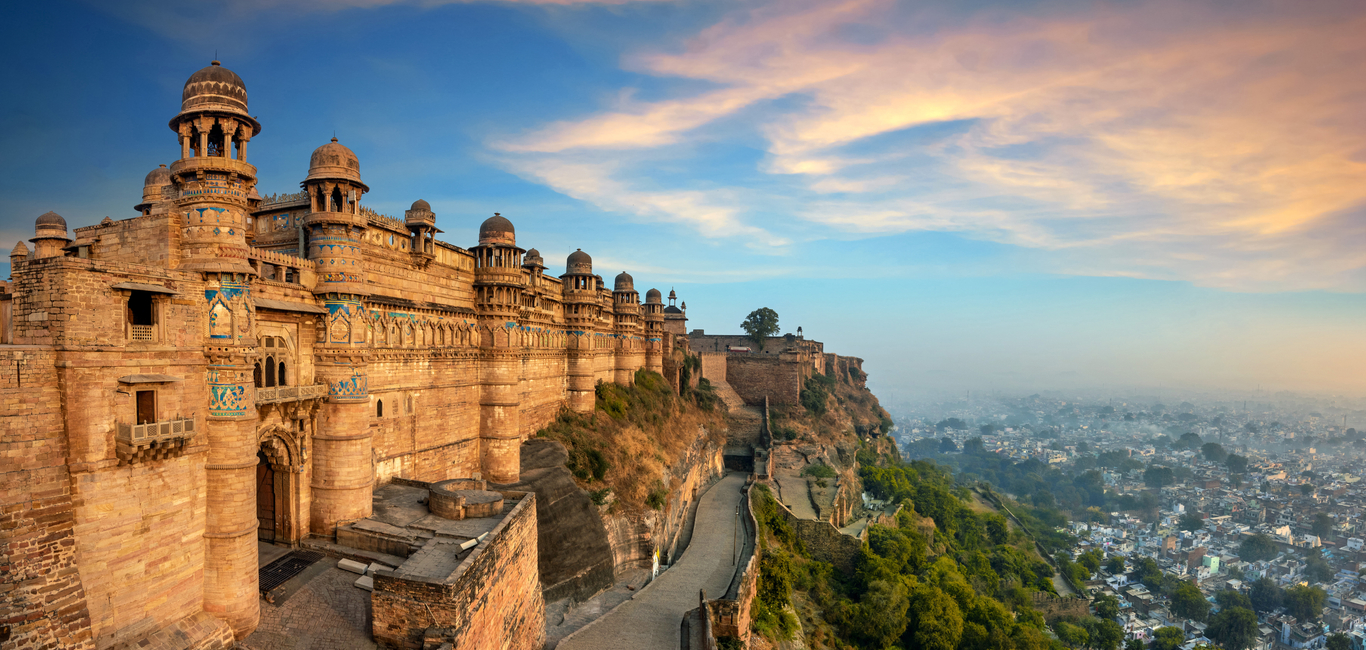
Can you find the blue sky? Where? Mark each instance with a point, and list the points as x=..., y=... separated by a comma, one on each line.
x=969, y=195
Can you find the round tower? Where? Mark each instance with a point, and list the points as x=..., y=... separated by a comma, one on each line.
x=212, y=178
x=335, y=230
x=498, y=302
x=210, y=184
x=630, y=355
x=49, y=236
x=653, y=318
x=581, y=312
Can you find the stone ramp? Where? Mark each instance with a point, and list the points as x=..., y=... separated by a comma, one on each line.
x=652, y=618
x=730, y=397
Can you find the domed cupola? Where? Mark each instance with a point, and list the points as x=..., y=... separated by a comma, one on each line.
x=152, y=186
x=497, y=230
x=578, y=263
x=653, y=297
x=624, y=282
x=218, y=90
x=49, y=235
x=334, y=161
x=533, y=260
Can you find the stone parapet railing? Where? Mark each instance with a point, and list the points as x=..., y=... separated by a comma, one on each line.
x=290, y=393
x=153, y=440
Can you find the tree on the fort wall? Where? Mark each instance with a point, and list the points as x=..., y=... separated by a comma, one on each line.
x=760, y=324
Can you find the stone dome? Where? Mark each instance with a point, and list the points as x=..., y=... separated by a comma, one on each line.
x=333, y=161
x=624, y=282
x=497, y=230
x=216, y=89
x=157, y=177
x=579, y=262
x=533, y=258
x=50, y=218
x=421, y=205
x=652, y=297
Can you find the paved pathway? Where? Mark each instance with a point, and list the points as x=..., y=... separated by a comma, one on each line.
x=652, y=618
x=327, y=613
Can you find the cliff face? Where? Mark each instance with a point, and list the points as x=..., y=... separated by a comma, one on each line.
x=614, y=488
x=834, y=408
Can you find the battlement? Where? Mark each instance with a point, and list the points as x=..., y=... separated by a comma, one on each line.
x=284, y=199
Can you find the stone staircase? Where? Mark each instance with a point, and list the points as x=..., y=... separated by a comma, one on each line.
x=730, y=397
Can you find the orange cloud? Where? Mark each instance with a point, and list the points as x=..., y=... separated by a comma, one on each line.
x=1159, y=139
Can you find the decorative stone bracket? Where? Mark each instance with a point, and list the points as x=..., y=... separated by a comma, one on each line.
x=137, y=443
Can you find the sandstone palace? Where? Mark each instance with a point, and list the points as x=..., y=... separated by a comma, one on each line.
x=226, y=367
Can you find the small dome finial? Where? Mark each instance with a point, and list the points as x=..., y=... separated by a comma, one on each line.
x=215, y=62
x=334, y=138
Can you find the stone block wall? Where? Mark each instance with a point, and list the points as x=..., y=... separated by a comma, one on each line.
x=756, y=377
x=491, y=601
x=823, y=541
x=713, y=366
x=42, y=598
x=1052, y=607
x=153, y=239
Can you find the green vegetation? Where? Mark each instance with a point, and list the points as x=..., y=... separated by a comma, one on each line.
x=1167, y=638
x=816, y=393
x=1305, y=603
x=819, y=470
x=1234, y=628
x=623, y=447
x=950, y=575
x=760, y=324
x=1257, y=548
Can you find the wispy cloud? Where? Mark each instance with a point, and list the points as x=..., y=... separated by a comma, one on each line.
x=1217, y=144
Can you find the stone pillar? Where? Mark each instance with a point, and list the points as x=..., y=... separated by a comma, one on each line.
x=343, y=469
x=499, y=418
x=230, y=573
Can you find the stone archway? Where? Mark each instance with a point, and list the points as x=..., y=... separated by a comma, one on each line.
x=278, y=490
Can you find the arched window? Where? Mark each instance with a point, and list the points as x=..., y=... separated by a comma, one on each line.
x=281, y=377
x=256, y=374
x=379, y=408
x=270, y=372
x=336, y=200
x=216, y=141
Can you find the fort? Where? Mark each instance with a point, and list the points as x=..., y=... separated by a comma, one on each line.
x=227, y=367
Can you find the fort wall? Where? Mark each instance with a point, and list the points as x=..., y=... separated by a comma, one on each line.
x=780, y=379
x=491, y=601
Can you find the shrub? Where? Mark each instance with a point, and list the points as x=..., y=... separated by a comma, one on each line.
x=599, y=497
x=658, y=496
x=819, y=470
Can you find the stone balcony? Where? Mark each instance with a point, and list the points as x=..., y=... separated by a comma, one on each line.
x=152, y=441
x=283, y=394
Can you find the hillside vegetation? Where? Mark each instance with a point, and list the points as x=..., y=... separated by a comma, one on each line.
x=945, y=577
x=834, y=407
x=622, y=451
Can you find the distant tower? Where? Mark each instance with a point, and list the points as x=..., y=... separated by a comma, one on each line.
x=581, y=313
x=654, y=331
x=675, y=319
x=498, y=299
x=626, y=327
x=157, y=181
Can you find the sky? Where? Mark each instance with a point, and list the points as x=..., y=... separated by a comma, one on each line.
x=968, y=195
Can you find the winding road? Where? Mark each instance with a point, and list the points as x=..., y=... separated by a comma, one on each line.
x=652, y=618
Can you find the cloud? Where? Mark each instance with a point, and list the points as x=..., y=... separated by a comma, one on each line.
x=1177, y=140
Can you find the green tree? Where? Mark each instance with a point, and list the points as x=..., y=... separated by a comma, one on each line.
x=1236, y=464
x=1107, y=606
x=1134, y=644
x=1257, y=548
x=934, y=620
x=1075, y=636
x=1306, y=489
x=1230, y=598
x=1339, y=641
x=1323, y=524
x=1105, y=634
x=882, y=612
x=1156, y=476
x=1191, y=521
x=1265, y=595
x=1305, y=603
x=1168, y=638
x=1148, y=573
x=1214, y=452
x=760, y=324
x=1090, y=560
x=1188, y=602
x=1234, y=628
x=1115, y=565
x=947, y=445
x=1317, y=569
